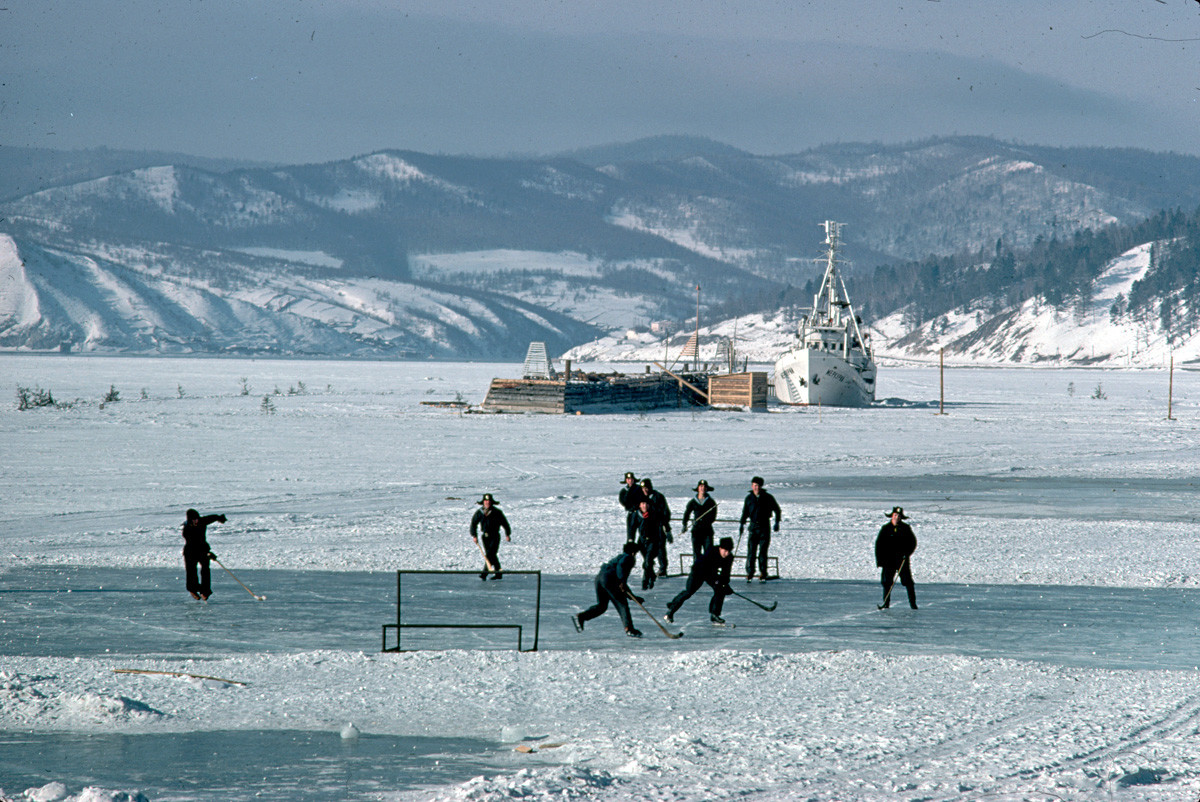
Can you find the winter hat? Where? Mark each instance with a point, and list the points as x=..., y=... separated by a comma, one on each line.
x=894, y=511
x=631, y=548
x=191, y=515
x=646, y=483
x=758, y=480
x=486, y=497
x=727, y=544
x=707, y=486
x=628, y=475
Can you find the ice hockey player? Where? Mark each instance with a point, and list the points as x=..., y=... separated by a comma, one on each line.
x=893, y=551
x=701, y=511
x=757, y=511
x=631, y=495
x=662, y=510
x=713, y=567
x=489, y=520
x=196, y=552
x=612, y=585
x=650, y=542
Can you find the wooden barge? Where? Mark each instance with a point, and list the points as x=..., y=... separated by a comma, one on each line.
x=592, y=393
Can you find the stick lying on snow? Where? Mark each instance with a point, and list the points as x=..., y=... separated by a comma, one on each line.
x=175, y=674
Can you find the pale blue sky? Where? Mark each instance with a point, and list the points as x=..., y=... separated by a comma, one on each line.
x=303, y=81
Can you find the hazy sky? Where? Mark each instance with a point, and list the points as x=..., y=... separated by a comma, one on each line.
x=304, y=80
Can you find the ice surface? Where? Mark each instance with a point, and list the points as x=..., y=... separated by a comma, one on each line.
x=1054, y=654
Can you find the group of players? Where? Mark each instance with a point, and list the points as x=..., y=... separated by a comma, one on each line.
x=647, y=531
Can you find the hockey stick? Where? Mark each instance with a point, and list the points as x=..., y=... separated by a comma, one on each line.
x=176, y=674
x=696, y=520
x=774, y=604
x=486, y=561
x=240, y=582
x=888, y=596
x=652, y=618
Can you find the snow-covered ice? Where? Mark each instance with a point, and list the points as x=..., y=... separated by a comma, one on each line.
x=1055, y=655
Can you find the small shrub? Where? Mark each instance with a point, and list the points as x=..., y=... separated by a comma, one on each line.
x=245, y=385
x=1099, y=393
x=112, y=395
x=1071, y=389
x=179, y=387
x=145, y=394
x=268, y=406
x=37, y=397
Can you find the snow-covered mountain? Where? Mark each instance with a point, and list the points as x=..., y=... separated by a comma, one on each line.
x=403, y=255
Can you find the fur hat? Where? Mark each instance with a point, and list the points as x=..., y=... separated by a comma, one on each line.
x=631, y=548
x=758, y=480
x=894, y=511
x=726, y=543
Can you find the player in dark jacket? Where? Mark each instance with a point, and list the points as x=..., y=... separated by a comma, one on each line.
x=701, y=511
x=612, y=585
x=631, y=495
x=713, y=567
x=893, y=549
x=650, y=541
x=196, y=552
x=662, y=511
x=490, y=519
x=757, y=510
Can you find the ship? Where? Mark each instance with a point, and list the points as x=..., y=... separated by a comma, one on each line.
x=831, y=363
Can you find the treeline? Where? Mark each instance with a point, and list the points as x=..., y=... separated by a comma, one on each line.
x=1060, y=271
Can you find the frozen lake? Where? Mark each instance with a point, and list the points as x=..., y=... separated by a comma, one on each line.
x=1054, y=654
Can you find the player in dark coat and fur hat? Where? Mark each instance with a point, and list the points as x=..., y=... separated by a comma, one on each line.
x=893, y=549
x=701, y=511
x=612, y=586
x=489, y=520
x=196, y=553
x=713, y=567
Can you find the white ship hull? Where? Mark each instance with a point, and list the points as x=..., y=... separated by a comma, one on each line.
x=815, y=377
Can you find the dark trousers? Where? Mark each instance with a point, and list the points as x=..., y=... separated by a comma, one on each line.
x=631, y=526
x=702, y=541
x=756, y=547
x=694, y=583
x=653, y=551
x=604, y=595
x=190, y=563
x=491, y=549
x=887, y=576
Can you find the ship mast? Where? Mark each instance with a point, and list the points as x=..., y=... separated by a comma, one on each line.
x=832, y=302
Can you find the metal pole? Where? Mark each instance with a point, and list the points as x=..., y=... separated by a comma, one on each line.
x=1171, y=387
x=537, y=615
x=941, y=381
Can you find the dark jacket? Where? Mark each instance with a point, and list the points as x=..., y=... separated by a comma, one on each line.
x=658, y=503
x=758, y=511
x=195, y=540
x=490, y=522
x=614, y=574
x=630, y=497
x=894, y=543
x=701, y=515
x=649, y=528
x=713, y=568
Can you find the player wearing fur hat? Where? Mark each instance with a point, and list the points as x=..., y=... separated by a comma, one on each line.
x=488, y=521
x=893, y=551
